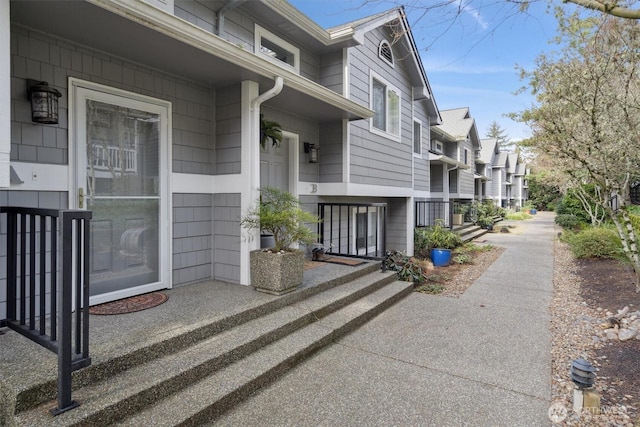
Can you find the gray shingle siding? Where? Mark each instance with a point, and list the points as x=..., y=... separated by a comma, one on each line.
x=239, y=29
x=31, y=199
x=331, y=151
x=227, y=235
x=192, y=234
x=41, y=57
x=436, y=178
x=375, y=159
x=228, y=125
x=332, y=71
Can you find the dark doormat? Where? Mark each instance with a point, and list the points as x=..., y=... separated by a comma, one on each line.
x=131, y=304
x=344, y=261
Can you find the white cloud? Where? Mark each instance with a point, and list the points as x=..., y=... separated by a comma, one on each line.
x=466, y=8
x=450, y=67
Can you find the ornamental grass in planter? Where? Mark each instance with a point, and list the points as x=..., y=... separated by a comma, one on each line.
x=279, y=269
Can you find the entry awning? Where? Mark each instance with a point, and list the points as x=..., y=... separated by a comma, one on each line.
x=143, y=34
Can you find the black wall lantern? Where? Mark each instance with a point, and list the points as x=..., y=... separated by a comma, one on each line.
x=44, y=102
x=312, y=151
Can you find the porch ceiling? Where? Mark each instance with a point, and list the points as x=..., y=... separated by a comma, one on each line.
x=96, y=28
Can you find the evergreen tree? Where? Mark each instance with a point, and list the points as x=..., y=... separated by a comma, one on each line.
x=497, y=132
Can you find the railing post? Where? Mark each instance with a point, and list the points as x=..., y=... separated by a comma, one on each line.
x=65, y=402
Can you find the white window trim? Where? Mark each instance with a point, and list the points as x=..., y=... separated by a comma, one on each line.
x=381, y=56
x=398, y=138
x=261, y=33
x=413, y=141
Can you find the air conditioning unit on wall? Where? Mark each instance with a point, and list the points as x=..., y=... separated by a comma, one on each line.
x=437, y=147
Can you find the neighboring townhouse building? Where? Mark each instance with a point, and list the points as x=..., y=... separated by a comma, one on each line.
x=484, y=167
x=498, y=184
x=520, y=185
x=159, y=127
x=459, y=126
x=502, y=175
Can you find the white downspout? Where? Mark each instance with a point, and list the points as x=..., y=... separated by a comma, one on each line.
x=251, y=170
x=5, y=94
x=222, y=13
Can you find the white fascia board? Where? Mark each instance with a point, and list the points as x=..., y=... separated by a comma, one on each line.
x=360, y=31
x=350, y=189
x=179, y=29
x=422, y=194
x=208, y=184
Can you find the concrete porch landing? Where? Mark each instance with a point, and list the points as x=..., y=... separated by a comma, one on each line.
x=192, y=314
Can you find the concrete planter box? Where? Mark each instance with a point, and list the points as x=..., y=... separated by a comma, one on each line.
x=457, y=219
x=276, y=273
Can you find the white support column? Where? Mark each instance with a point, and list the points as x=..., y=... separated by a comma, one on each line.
x=410, y=225
x=5, y=94
x=250, y=172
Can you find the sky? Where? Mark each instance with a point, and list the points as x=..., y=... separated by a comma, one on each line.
x=470, y=61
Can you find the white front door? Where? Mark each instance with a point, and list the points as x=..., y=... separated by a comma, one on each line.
x=121, y=143
x=279, y=166
x=274, y=165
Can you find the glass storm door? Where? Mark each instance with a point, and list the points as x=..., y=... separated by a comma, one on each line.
x=122, y=178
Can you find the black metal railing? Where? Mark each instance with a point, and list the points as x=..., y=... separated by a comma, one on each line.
x=45, y=304
x=353, y=229
x=428, y=212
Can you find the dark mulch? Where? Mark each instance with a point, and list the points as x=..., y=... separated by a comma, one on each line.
x=611, y=285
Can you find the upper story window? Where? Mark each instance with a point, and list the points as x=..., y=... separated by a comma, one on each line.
x=385, y=102
x=467, y=157
x=276, y=49
x=417, y=138
x=385, y=52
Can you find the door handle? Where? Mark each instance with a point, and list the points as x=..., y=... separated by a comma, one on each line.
x=81, y=198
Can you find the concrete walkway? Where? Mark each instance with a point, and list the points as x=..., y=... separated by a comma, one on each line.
x=479, y=360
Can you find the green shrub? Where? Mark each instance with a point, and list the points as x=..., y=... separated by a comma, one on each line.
x=436, y=236
x=568, y=221
x=596, y=242
x=518, y=216
x=462, y=259
x=430, y=288
x=408, y=269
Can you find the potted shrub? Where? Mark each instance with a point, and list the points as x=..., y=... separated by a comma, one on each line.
x=459, y=211
x=279, y=269
x=440, y=241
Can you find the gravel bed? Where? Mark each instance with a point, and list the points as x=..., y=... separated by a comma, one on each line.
x=575, y=330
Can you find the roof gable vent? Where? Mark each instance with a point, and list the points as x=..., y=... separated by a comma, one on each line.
x=385, y=52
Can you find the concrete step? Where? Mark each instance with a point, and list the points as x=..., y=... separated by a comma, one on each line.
x=203, y=401
x=125, y=392
x=477, y=232
x=41, y=386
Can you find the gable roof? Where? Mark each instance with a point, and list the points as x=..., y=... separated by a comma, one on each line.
x=358, y=28
x=458, y=123
x=513, y=162
x=501, y=160
x=488, y=150
x=298, y=26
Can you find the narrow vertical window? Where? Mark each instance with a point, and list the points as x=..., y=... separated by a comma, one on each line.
x=417, y=137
